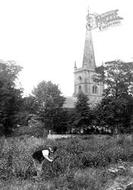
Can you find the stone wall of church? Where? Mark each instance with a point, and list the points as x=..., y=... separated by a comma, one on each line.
x=83, y=81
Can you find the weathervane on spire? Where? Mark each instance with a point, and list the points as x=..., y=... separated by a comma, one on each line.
x=103, y=21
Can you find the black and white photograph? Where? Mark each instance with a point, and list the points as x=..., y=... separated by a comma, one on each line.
x=66, y=95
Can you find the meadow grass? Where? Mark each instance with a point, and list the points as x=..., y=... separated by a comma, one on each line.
x=81, y=164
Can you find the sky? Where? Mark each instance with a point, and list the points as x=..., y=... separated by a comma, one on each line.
x=46, y=37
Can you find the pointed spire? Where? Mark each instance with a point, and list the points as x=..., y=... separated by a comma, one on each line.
x=75, y=66
x=88, y=57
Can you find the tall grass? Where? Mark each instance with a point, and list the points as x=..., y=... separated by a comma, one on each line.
x=80, y=163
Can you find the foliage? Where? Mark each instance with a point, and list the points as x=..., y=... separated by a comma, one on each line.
x=115, y=114
x=61, y=121
x=34, y=131
x=30, y=104
x=82, y=163
x=116, y=109
x=16, y=153
x=82, y=115
x=48, y=95
x=10, y=97
x=117, y=77
x=50, y=101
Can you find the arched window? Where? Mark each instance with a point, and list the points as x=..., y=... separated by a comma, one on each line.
x=80, y=78
x=80, y=89
x=95, y=89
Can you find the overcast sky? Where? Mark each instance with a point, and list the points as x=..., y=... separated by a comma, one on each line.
x=46, y=37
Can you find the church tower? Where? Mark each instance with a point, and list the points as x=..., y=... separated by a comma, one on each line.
x=84, y=76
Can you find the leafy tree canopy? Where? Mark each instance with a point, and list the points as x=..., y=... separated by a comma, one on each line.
x=10, y=96
x=82, y=111
x=82, y=105
x=117, y=77
x=48, y=95
x=50, y=102
x=115, y=113
x=116, y=108
x=9, y=73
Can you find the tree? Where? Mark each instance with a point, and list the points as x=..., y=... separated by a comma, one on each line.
x=61, y=121
x=10, y=96
x=117, y=77
x=29, y=106
x=50, y=101
x=116, y=108
x=115, y=113
x=82, y=112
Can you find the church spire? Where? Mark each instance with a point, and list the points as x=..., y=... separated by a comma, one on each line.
x=75, y=65
x=88, y=57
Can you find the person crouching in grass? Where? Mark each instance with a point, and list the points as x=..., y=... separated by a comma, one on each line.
x=41, y=155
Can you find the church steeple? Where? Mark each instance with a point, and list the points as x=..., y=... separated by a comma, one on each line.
x=88, y=57
x=75, y=66
x=84, y=76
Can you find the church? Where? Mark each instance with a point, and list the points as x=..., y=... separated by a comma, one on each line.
x=84, y=76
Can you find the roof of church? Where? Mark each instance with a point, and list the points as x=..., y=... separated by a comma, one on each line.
x=70, y=102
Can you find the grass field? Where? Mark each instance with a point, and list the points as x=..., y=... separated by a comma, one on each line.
x=83, y=163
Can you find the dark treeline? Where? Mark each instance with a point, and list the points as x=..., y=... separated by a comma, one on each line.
x=43, y=109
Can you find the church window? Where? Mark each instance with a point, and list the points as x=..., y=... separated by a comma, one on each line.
x=80, y=78
x=80, y=89
x=94, y=89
